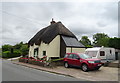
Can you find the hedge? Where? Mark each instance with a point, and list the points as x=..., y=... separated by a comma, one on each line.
x=55, y=60
x=8, y=54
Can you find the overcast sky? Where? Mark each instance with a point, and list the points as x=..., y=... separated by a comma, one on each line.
x=22, y=20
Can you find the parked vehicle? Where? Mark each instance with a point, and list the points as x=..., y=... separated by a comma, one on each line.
x=84, y=61
x=103, y=53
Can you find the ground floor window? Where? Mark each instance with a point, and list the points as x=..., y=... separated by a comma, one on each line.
x=44, y=53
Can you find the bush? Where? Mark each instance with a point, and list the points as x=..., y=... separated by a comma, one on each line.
x=5, y=54
x=56, y=60
x=8, y=54
x=24, y=50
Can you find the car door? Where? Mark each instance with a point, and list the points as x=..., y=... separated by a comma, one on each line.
x=76, y=60
x=70, y=59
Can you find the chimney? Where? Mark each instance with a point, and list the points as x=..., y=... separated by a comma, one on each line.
x=52, y=22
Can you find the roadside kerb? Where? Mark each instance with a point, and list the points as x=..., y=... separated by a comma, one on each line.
x=47, y=70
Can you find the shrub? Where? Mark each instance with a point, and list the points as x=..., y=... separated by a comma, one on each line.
x=8, y=54
x=56, y=60
x=24, y=50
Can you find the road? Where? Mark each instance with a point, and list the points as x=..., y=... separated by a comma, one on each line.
x=13, y=72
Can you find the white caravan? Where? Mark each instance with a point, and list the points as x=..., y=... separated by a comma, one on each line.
x=102, y=53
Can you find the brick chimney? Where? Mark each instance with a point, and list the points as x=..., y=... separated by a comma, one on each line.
x=52, y=22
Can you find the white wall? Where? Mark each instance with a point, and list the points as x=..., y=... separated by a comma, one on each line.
x=52, y=49
x=31, y=50
x=75, y=50
x=108, y=55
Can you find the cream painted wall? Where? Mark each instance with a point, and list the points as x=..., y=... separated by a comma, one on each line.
x=75, y=50
x=31, y=50
x=52, y=49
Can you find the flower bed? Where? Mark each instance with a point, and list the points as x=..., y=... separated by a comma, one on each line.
x=33, y=61
x=25, y=60
x=42, y=61
x=36, y=62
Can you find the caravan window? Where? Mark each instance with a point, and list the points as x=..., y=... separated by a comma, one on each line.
x=102, y=53
x=91, y=53
x=110, y=52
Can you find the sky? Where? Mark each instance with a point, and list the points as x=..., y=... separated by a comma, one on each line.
x=22, y=20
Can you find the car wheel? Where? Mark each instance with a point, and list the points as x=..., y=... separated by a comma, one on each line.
x=66, y=65
x=84, y=67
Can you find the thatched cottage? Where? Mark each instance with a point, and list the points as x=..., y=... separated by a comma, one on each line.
x=54, y=41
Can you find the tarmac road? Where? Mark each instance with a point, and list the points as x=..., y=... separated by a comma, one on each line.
x=13, y=72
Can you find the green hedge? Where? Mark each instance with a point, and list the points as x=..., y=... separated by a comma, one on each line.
x=55, y=60
x=8, y=54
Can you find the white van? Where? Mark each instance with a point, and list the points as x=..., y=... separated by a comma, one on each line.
x=102, y=53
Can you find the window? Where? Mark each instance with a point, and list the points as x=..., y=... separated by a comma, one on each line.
x=91, y=53
x=102, y=53
x=44, y=53
x=84, y=56
x=75, y=56
x=70, y=56
x=110, y=52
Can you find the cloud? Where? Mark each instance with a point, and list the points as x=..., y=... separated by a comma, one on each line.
x=22, y=20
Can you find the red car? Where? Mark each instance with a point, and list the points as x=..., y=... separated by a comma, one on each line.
x=81, y=60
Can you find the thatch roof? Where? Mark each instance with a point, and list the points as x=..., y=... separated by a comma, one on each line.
x=49, y=33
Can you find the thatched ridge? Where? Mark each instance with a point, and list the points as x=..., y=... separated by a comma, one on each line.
x=49, y=33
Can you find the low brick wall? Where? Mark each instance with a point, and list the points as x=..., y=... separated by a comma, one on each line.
x=39, y=63
x=32, y=61
x=36, y=62
x=23, y=60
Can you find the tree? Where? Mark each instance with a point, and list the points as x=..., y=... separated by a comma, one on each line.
x=18, y=46
x=9, y=51
x=114, y=42
x=100, y=39
x=24, y=50
x=103, y=42
x=6, y=47
x=85, y=41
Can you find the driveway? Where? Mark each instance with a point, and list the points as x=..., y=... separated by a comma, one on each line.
x=103, y=74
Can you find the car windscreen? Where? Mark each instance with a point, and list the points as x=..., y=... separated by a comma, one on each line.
x=84, y=56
